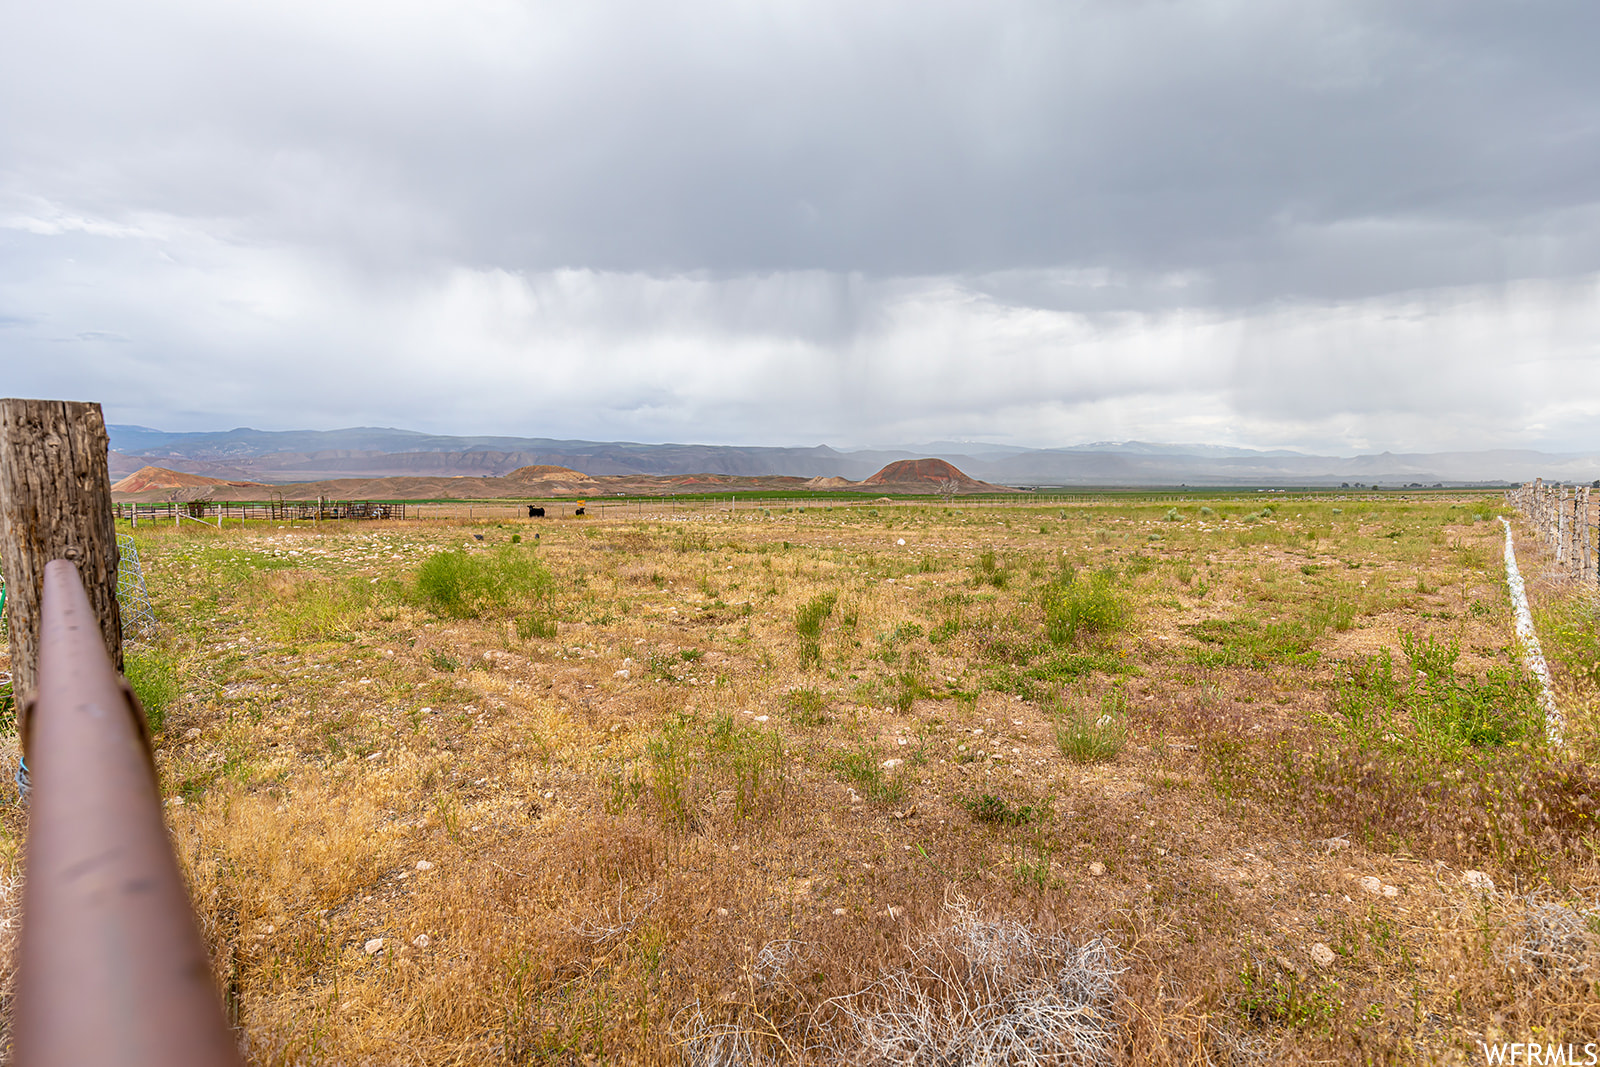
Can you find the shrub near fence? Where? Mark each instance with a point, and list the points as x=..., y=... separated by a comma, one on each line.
x=1564, y=517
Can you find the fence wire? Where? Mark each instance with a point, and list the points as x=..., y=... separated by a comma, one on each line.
x=138, y=617
x=1567, y=518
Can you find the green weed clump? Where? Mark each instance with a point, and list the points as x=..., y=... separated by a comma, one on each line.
x=311, y=607
x=1042, y=677
x=689, y=762
x=901, y=638
x=859, y=766
x=153, y=675
x=1432, y=711
x=1079, y=606
x=1427, y=760
x=459, y=584
x=1088, y=735
x=808, y=620
x=988, y=571
x=1248, y=642
x=671, y=762
x=690, y=540
x=748, y=762
x=806, y=707
x=1570, y=634
x=908, y=688
x=999, y=811
x=1281, y=997
x=809, y=617
x=536, y=626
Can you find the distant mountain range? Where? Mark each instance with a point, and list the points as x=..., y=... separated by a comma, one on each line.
x=282, y=456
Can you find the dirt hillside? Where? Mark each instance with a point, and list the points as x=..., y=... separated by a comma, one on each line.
x=546, y=471
x=146, y=479
x=926, y=476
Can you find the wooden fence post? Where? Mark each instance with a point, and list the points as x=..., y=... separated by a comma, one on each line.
x=55, y=503
x=1588, y=539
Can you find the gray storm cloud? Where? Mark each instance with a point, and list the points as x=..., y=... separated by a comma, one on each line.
x=1325, y=225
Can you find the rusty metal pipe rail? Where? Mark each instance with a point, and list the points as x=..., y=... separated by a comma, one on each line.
x=111, y=967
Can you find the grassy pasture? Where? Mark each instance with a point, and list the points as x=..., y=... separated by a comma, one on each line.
x=738, y=788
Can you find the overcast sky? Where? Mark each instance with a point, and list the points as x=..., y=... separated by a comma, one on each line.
x=1337, y=227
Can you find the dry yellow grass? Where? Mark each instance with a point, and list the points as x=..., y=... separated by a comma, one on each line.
x=672, y=832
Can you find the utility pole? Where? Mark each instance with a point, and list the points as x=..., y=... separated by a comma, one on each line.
x=55, y=503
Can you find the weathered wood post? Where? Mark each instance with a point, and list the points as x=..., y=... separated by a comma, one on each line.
x=55, y=503
x=1537, y=516
x=1583, y=522
x=1561, y=525
x=1590, y=530
x=1566, y=526
x=1570, y=534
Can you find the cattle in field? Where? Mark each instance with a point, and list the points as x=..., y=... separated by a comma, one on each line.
x=578, y=512
x=535, y=513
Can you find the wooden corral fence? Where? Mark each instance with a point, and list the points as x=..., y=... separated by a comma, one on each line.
x=308, y=510
x=1567, y=518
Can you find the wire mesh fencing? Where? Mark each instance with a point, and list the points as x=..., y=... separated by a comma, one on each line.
x=138, y=617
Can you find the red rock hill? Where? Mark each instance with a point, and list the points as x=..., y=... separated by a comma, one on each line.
x=931, y=471
x=926, y=476
x=146, y=478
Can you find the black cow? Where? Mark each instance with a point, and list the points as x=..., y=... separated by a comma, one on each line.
x=535, y=513
x=578, y=512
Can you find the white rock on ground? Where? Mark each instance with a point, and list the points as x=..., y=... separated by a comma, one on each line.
x=373, y=946
x=1321, y=954
x=1477, y=880
x=422, y=941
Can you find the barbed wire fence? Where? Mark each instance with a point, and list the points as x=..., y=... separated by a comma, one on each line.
x=1567, y=518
